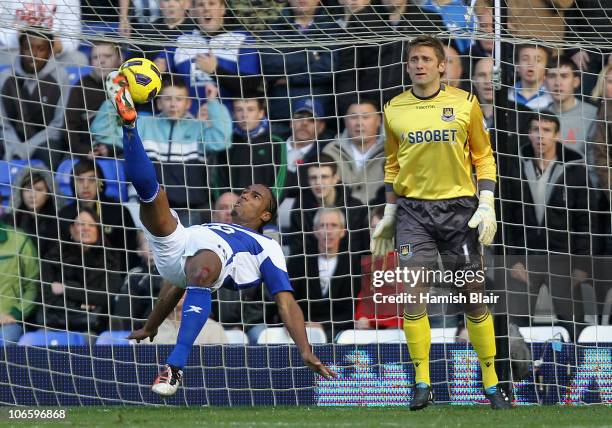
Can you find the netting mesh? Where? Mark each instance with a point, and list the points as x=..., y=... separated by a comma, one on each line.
x=290, y=94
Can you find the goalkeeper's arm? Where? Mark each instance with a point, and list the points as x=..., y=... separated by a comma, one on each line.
x=383, y=238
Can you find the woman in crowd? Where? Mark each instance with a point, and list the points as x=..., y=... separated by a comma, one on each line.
x=80, y=278
x=35, y=210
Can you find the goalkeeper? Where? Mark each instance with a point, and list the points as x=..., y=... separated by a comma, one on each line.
x=198, y=260
x=435, y=133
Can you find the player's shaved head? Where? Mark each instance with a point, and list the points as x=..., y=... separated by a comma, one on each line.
x=256, y=207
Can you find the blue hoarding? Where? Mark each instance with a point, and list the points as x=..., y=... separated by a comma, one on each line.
x=369, y=375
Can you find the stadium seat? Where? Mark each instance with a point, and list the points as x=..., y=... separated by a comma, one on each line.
x=114, y=175
x=52, y=338
x=279, y=335
x=596, y=334
x=443, y=335
x=75, y=72
x=606, y=312
x=8, y=172
x=589, y=301
x=362, y=337
x=543, y=334
x=236, y=337
x=114, y=338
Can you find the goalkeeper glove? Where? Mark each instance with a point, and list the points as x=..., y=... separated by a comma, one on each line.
x=484, y=218
x=383, y=238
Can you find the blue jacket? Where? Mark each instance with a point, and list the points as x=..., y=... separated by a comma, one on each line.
x=178, y=148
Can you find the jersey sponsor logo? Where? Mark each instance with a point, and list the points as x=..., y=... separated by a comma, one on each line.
x=193, y=308
x=447, y=114
x=430, y=136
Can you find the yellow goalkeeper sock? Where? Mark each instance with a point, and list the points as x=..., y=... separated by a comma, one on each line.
x=418, y=337
x=482, y=336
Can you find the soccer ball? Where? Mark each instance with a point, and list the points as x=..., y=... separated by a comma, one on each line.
x=144, y=79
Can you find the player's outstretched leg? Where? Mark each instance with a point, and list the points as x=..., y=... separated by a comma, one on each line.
x=138, y=166
x=196, y=309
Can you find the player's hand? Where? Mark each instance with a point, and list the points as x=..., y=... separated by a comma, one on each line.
x=383, y=238
x=484, y=218
x=142, y=334
x=314, y=364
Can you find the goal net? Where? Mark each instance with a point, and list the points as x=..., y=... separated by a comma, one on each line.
x=291, y=94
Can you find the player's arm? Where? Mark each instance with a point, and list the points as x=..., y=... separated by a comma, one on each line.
x=486, y=174
x=169, y=296
x=293, y=318
x=155, y=211
x=274, y=272
x=383, y=238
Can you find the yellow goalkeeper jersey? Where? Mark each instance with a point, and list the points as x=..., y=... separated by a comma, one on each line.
x=432, y=144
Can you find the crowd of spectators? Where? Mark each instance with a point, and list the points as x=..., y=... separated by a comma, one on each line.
x=267, y=98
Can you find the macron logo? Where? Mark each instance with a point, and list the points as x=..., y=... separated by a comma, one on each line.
x=195, y=309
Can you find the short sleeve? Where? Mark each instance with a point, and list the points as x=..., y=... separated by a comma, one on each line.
x=274, y=271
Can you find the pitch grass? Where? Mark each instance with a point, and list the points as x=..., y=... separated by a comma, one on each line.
x=350, y=417
x=313, y=417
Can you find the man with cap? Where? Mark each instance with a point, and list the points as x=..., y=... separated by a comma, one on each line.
x=309, y=136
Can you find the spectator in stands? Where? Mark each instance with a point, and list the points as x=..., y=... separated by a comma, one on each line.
x=369, y=314
x=359, y=151
x=256, y=154
x=600, y=146
x=455, y=15
x=483, y=83
x=33, y=101
x=137, y=12
x=256, y=16
x=541, y=19
x=324, y=190
x=225, y=57
x=140, y=289
x=222, y=213
x=80, y=279
x=86, y=98
x=167, y=333
x=117, y=227
x=178, y=145
x=601, y=131
x=309, y=136
x=304, y=71
x=453, y=73
x=548, y=221
x=585, y=21
x=576, y=116
x=483, y=47
x=35, y=210
x=62, y=19
x=357, y=72
x=174, y=23
x=529, y=90
x=19, y=276
x=405, y=18
x=322, y=280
